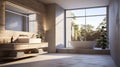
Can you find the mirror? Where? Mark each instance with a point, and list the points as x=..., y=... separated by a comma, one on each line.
x=19, y=18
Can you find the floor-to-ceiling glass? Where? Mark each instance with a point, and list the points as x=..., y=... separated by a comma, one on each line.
x=85, y=24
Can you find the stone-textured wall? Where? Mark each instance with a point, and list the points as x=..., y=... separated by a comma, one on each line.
x=30, y=4
x=2, y=15
x=50, y=32
x=55, y=27
x=33, y=5
x=114, y=30
x=40, y=25
x=36, y=6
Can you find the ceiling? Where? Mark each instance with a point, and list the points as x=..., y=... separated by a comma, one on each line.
x=71, y=4
x=15, y=8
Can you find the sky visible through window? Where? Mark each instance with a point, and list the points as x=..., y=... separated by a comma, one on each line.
x=94, y=21
x=90, y=15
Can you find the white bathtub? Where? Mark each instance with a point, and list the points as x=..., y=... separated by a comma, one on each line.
x=83, y=44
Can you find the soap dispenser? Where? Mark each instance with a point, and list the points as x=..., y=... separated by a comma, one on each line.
x=12, y=39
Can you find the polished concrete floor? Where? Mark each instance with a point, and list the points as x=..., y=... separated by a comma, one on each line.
x=62, y=60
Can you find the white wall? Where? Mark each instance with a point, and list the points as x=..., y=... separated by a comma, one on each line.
x=59, y=27
x=68, y=32
x=114, y=30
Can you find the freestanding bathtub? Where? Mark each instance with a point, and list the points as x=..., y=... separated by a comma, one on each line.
x=83, y=44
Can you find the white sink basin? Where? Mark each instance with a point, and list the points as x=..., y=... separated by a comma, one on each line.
x=29, y=40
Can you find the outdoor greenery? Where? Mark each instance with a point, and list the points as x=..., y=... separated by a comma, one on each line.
x=76, y=31
x=102, y=41
x=41, y=35
x=86, y=31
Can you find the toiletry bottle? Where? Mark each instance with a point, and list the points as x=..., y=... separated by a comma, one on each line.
x=12, y=39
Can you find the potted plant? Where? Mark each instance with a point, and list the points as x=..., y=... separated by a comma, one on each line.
x=41, y=36
x=102, y=41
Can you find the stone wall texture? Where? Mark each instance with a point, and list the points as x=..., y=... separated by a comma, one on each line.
x=33, y=5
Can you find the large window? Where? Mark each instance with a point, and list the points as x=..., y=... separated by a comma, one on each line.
x=14, y=21
x=85, y=24
x=19, y=18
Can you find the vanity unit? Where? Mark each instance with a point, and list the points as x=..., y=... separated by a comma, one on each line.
x=24, y=47
x=20, y=50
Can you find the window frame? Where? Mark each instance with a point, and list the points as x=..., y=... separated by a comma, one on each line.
x=107, y=22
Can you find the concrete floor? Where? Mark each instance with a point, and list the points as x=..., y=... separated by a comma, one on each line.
x=63, y=60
